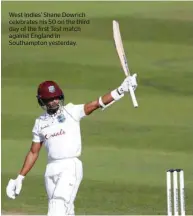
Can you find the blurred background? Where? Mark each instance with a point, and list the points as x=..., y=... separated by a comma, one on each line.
x=126, y=151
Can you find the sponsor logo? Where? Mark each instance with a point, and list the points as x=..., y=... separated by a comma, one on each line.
x=44, y=126
x=52, y=135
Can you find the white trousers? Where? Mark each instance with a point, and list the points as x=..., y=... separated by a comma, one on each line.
x=62, y=180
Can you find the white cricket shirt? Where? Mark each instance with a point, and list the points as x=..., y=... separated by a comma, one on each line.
x=60, y=132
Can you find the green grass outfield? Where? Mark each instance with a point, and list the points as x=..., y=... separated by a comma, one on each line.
x=126, y=151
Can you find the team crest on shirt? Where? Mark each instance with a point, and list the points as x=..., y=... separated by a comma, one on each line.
x=61, y=118
x=51, y=89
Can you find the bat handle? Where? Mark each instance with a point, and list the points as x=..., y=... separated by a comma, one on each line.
x=134, y=100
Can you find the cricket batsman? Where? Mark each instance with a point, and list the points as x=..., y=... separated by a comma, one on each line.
x=58, y=129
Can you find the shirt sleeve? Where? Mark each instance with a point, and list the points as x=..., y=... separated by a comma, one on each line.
x=35, y=133
x=77, y=111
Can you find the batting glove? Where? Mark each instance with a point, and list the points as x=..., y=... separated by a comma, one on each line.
x=128, y=81
x=14, y=187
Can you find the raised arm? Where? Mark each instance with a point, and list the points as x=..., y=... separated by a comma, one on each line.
x=112, y=96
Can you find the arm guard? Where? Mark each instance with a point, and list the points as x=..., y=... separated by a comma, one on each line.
x=115, y=95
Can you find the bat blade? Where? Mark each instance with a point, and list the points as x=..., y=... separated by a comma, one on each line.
x=122, y=57
x=119, y=47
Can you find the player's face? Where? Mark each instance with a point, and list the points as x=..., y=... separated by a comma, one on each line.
x=52, y=104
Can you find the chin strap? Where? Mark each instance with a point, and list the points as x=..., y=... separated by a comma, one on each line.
x=52, y=111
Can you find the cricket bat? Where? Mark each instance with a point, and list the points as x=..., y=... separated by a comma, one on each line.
x=122, y=57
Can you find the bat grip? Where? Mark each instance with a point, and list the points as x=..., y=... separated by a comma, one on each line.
x=134, y=100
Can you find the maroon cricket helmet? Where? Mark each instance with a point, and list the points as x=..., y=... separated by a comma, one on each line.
x=48, y=90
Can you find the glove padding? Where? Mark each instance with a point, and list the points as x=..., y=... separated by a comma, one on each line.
x=128, y=82
x=14, y=187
